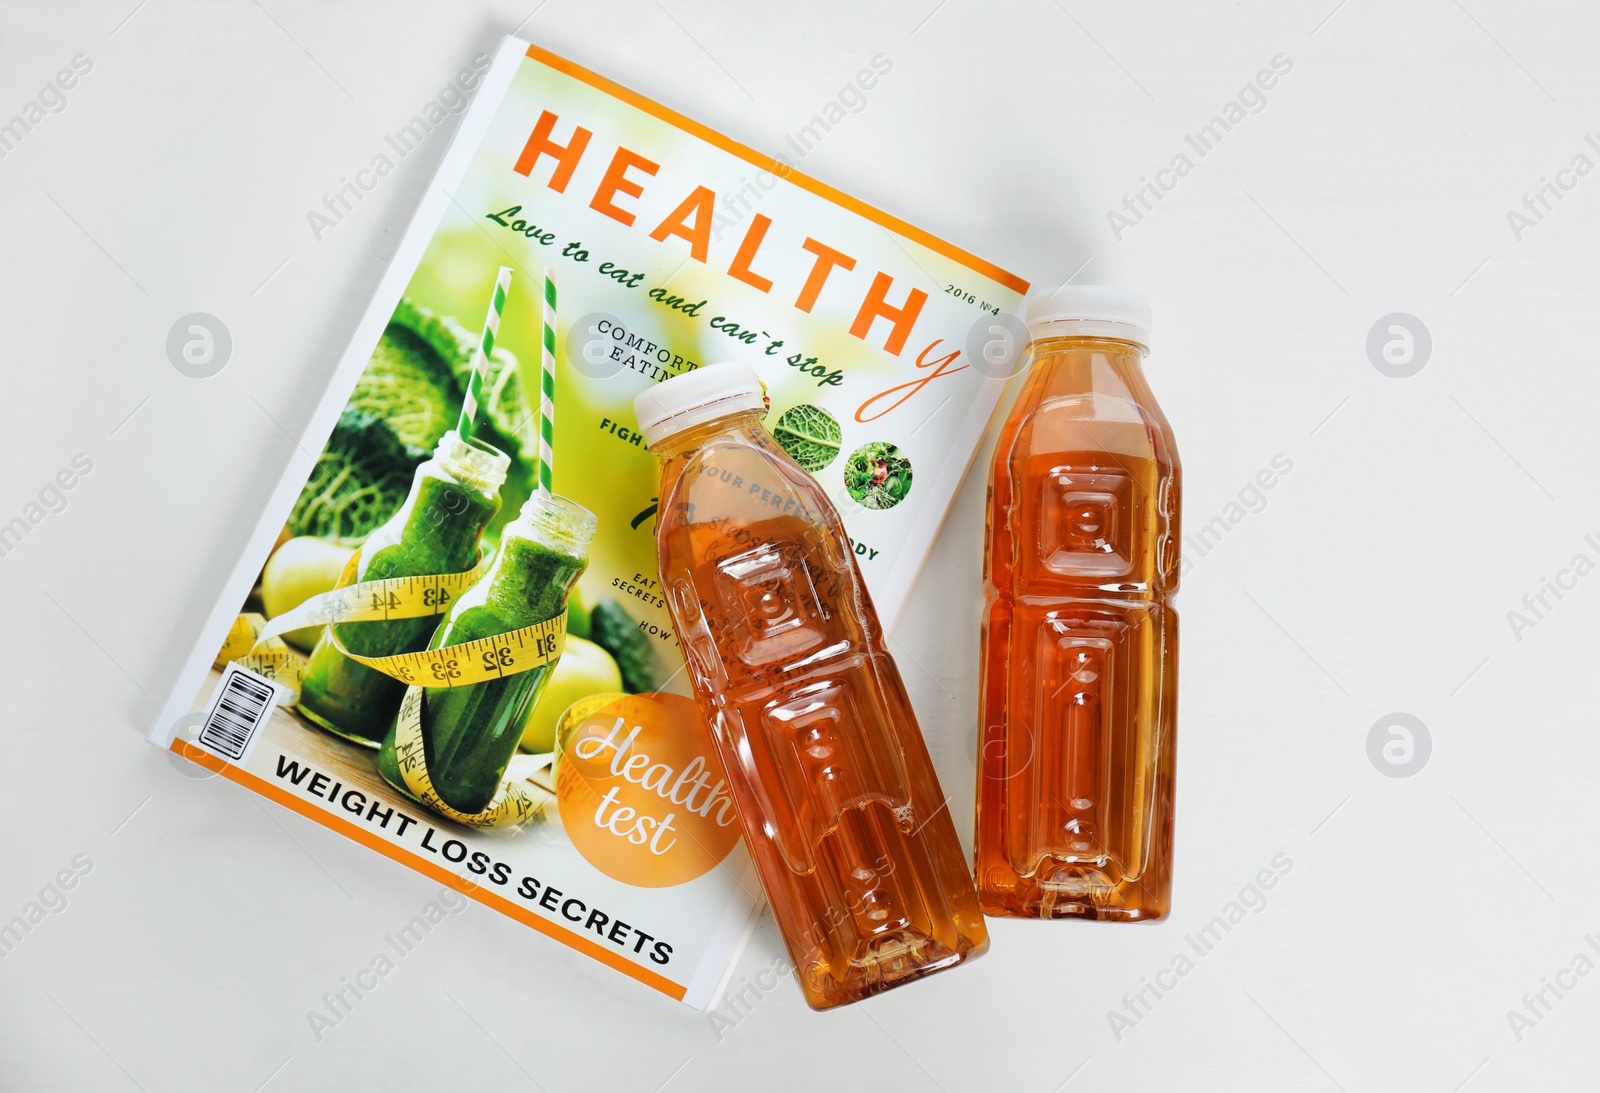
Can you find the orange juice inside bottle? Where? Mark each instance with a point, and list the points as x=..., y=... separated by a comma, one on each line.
x=840, y=806
x=1080, y=641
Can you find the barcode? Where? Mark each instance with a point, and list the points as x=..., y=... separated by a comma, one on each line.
x=242, y=704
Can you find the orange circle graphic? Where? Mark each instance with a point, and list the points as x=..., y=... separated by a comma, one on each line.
x=642, y=793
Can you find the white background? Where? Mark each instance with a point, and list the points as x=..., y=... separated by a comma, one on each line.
x=1377, y=578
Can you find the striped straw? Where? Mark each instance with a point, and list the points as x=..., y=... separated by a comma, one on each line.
x=547, y=386
x=480, y=361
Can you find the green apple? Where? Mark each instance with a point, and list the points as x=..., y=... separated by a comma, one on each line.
x=299, y=569
x=584, y=669
x=577, y=615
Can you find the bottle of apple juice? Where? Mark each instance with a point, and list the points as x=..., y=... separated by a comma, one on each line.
x=838, y=799
x=1080, y=640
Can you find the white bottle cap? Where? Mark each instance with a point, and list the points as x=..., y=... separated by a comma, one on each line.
x=1089, y=311
x=692, y=398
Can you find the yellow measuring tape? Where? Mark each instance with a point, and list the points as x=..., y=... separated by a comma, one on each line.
x=516, y=802
x=255, y=643
x=473, y=661
x=460, y=666
x=380, y=600
x=268, y=655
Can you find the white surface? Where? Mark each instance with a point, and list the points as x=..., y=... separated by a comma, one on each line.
x=1376, y=578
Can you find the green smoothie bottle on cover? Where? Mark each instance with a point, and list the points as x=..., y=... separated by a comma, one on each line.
x=470, y=733
x=453, y=497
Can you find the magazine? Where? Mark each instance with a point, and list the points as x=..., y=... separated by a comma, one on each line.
x=447, y=637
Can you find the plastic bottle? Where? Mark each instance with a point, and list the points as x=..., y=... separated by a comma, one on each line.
x=1075, y=774
x=839, y=801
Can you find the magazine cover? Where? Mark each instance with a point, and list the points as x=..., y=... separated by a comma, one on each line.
x=447, y=638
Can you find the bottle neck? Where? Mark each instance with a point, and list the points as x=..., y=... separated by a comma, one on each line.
x=687, y=441
x=1112, y=348
x=471, y=462
x=554, y=523
x=1064, y=365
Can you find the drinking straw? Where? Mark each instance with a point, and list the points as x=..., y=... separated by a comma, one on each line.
x=480, y=361
x=547, y=385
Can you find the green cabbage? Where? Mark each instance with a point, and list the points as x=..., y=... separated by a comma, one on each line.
x=361, y=478
x=407, y=398
x=410, y=389
x=809, y=434
x=455, y=347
